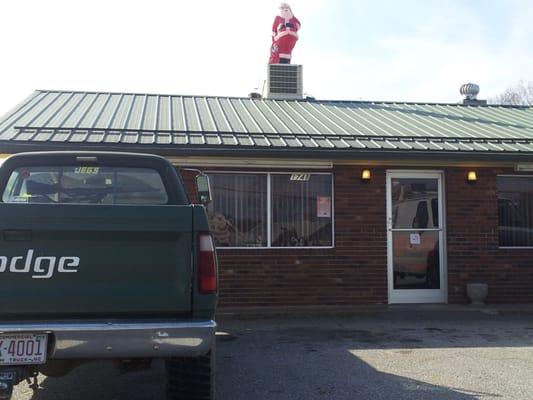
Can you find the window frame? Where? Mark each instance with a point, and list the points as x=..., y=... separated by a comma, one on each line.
x=269, y=209
x=497, y=198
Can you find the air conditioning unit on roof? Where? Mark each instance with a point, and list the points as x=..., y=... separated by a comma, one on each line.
x=284, y=82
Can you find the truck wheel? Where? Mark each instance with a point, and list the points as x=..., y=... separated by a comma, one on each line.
x=191, y=377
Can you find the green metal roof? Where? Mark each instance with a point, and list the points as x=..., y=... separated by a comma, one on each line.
x=170, y=123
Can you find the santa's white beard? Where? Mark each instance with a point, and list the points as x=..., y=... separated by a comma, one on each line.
x=286, y=14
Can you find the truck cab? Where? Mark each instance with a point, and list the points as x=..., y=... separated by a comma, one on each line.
x=103, y=256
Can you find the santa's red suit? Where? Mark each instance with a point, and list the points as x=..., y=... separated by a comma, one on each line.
x=284, y=37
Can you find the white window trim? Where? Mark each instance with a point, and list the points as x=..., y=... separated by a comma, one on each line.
x=511, y=247
x=269, y=211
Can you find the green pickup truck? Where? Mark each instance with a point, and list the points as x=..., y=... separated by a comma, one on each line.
x=102, y=256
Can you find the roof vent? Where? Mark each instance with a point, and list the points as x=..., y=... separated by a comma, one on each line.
x=255, y=96
x=284, y=82
x=470, y=91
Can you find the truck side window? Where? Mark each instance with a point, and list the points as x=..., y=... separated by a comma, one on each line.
x=85, y=185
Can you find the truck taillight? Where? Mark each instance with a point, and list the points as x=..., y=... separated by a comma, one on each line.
x=207, y=264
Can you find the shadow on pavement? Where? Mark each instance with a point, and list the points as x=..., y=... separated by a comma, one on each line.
x=305, y=372
x=328, y=358
x=325, y=358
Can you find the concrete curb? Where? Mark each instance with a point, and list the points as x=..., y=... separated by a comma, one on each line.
x=378, y=310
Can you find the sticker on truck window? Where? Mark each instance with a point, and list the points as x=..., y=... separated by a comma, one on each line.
x=87, y=170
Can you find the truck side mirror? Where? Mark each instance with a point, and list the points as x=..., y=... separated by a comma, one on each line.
x=203, y=188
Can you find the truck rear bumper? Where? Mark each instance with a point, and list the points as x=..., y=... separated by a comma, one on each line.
x=121, y=339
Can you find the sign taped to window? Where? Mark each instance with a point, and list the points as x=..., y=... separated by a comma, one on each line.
x=414, y=238
x=323, y=206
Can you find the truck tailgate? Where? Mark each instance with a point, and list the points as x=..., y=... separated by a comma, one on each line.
x=132, y=260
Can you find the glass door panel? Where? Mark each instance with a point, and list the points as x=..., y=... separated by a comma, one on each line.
x=415, y=203
x=415, y=237
x=416, y=260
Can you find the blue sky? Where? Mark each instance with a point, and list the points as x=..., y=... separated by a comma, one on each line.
x=359, y=49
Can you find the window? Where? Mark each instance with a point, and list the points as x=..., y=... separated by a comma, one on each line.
x=301, y=210
x=515, y=211
x=238, y=212
x=271, y=210
x=85, y=185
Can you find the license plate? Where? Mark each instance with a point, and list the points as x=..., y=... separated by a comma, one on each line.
x=23, y=348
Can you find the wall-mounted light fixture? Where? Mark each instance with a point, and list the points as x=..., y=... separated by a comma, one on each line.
x=471, y=177
x=366, y=175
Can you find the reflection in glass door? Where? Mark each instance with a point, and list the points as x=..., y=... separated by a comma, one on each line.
x=415, y=222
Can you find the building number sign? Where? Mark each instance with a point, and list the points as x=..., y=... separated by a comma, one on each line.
x=300, y=177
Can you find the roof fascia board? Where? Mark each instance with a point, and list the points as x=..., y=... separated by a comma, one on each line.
x=245, y=162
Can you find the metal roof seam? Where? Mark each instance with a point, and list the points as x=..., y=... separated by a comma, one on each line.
x=19, y=107
x=379, y=124
x=115, y=111
x=82, y=134
x=274, y=130
x=197, y=114
x=489, y=125
x=351, y=118
x=128, y=114
x=362, y=111
x=290, y=118
x=184, y=114
x=435, y=144
x=210, y=113
x=250, y=116
x=299, y=104
x=143, y=110
x=430, y=120
x=390, y=144
x=309, y=123
x=277, y=117
x=340, y=119
x=518, y=113
x=217, y=136
x=255, y=138
x=156, y=119
x=170, y=114
x=414, y=121
x=401, y=127
x=315, y=108
x=36, y=116
x=95, y=120
x=480, y=128
x=237, y=117
x=56, y=112
x=223, y=113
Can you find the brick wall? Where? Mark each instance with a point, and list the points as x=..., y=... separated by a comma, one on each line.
x=355, y=271
x=473, y=252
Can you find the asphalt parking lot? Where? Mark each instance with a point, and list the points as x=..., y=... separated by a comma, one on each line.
x=409, y=354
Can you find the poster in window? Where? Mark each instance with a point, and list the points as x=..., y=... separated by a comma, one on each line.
x=323, y=206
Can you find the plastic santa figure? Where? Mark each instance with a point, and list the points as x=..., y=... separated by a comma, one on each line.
x=284, y=35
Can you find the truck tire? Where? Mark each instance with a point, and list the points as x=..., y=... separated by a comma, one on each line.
x=191, y=377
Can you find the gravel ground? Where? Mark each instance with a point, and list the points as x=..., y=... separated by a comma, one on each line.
x=399, y=355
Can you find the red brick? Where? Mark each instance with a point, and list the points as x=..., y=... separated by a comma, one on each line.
x=355, y=271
